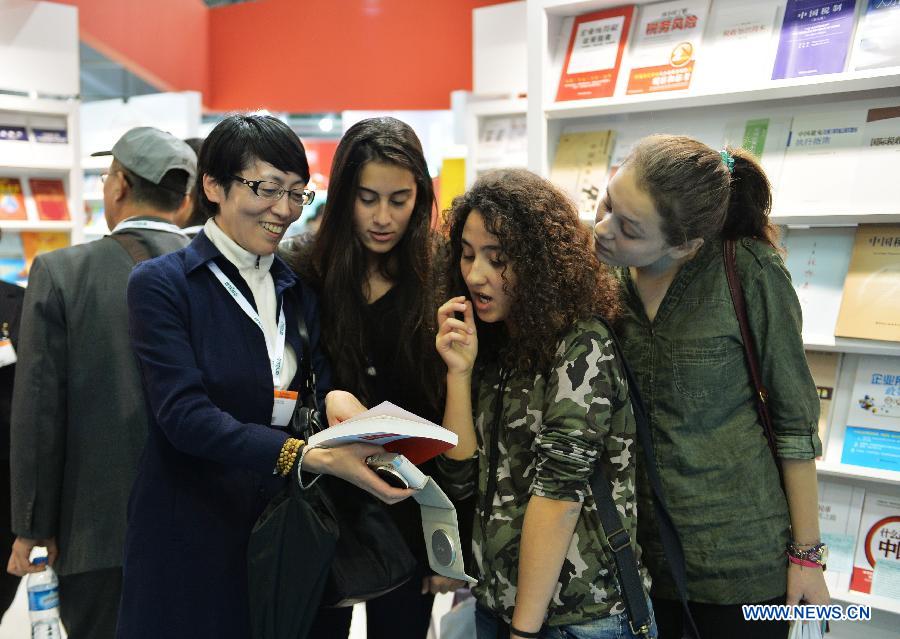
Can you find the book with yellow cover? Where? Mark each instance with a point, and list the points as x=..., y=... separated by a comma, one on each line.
x=824, y=369
x=34, y=244
x=580, y=167
x=870, y=307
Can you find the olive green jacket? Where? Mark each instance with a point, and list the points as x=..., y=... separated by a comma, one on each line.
x=718, y=474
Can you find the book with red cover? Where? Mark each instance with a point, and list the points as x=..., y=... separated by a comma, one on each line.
x=397, y=430
x=50, y=199
x=594, y=54
x=12, y=200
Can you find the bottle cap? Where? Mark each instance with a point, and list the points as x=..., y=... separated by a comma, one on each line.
x=39, y=561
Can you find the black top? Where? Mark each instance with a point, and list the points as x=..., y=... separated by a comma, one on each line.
x=389, y=382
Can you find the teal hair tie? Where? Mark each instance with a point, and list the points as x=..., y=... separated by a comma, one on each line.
x=728, y=160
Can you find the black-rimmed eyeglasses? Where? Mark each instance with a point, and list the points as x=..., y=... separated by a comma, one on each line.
x=274, y=191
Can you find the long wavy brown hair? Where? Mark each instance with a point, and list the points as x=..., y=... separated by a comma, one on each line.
x=336, y=262
x=558, y=279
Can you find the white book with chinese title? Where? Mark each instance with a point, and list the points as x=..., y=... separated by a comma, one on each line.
x=877, y=561
x=664, y=48
x=738, y=46
x=876, y=187
x=820, y=163
x=872, y=435
x=840, y=511
x=818, y=261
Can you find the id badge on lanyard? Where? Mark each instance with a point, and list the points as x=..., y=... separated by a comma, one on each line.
x=7, y=352
x=283, y=401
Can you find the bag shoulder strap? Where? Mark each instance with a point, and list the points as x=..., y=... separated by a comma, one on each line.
x=729, y=250
x=619, y=541
x=133, y=245
x=305, y=366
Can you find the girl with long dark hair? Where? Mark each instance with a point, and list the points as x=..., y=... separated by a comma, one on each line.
x=371, y=265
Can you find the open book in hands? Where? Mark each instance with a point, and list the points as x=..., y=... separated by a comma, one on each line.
x=397, y=430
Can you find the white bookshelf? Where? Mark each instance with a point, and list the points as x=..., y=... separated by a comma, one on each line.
x=704, y=111
x=40, y=52
x=477, y=114
x=31, y=159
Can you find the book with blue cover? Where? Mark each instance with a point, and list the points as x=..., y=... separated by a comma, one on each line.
x=815, y=38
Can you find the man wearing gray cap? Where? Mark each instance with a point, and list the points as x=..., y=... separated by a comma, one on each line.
x=78, y=415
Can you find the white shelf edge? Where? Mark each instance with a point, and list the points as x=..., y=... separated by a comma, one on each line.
x=834, y=219
x=42, y=225
x=846, y=82
x=43, y=106
x=879, y=475
x=885, y=604
x=511, y=106
x=59, y=167
x=850, y=345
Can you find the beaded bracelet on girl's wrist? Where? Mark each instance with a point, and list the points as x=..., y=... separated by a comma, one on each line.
x=814, y=556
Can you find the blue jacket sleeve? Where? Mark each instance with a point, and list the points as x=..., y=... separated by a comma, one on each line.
x=173, y=381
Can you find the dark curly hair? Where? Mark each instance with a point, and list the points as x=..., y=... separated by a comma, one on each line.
x=558, y=278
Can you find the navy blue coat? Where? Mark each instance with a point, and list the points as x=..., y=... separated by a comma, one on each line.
x=207, y=470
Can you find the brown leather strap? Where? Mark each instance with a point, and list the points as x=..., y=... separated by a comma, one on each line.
x=133, y=246
x=729, y=249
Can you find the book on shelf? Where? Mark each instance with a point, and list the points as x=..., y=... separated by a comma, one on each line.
x=594, y=54
x=818, y=261
x=736, y=28
x=12, y=200
x=875, y=185
x=876, y=564
x=815, y=38
x=13, y=128
x=665, y=45
x=766, y=137
x=49, y=129
x=49, y=199
x=580, y=168
x=877, y=40
x=397, y=430
x=840, y=512
x=870, y=307
x=35, y=243
x=824, y=369
x=502, y=142
x=820, y=163
x=12, y=259
x=872, y=436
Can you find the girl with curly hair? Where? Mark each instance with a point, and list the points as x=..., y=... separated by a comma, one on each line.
x=371, y=266
x=662, y=221
x=533, y=377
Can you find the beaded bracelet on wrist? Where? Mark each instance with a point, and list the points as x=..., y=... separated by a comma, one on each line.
x=288, y=456
x=814, y=554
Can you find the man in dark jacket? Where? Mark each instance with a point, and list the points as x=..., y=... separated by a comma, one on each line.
x=79, y=420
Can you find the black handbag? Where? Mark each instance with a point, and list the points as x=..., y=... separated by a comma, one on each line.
x=371, y=556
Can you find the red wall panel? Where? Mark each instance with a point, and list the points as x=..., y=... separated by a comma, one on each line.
x=165, y=42
x=331, y=55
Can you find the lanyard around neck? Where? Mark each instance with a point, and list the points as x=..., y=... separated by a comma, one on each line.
x=275, y=351
x=152, y=225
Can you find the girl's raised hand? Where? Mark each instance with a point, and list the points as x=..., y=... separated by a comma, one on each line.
x=457, y=341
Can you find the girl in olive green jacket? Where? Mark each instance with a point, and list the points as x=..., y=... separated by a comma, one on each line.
x=662, y=221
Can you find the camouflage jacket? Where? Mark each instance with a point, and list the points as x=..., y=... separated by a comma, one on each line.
x=554, y=428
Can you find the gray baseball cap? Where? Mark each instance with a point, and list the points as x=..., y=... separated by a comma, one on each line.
x=151, y=153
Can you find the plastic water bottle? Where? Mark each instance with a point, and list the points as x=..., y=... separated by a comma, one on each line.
x=43, y=601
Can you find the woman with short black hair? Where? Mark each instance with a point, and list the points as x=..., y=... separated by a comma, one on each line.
x=215, y=330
